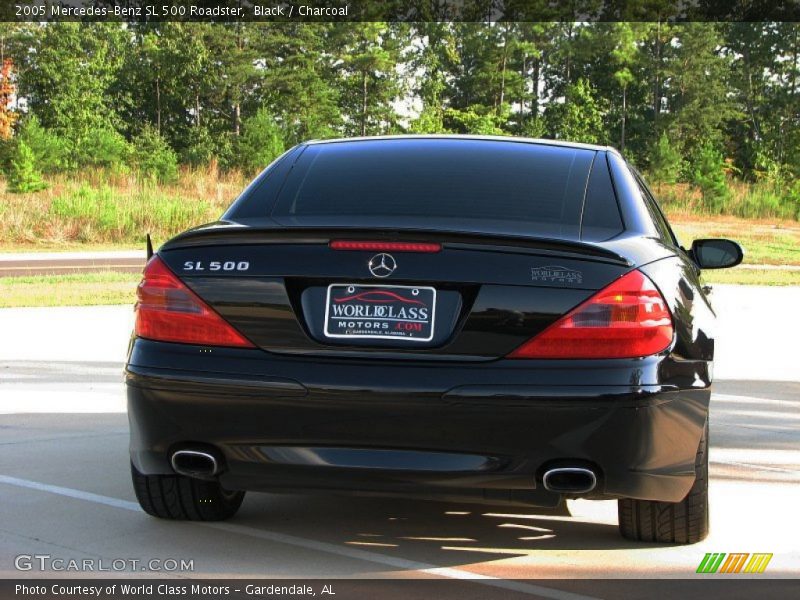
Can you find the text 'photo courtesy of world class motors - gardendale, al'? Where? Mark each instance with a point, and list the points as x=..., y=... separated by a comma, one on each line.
x=454, y=299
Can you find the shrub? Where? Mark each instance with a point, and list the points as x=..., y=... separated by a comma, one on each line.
x=202, y=148
x=104, y=147
x=428, y=121
x=50, y=152
x=792, y=205
x=260, y=143
x=775, y=194
x=580, y=117
x=534, y=128
x=23, y=176
x=708, y=175
x=476, y=119
x=153, y=156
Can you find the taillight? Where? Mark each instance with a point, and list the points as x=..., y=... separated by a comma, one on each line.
x=627, y=319
x=385, y=246
x=168, y=311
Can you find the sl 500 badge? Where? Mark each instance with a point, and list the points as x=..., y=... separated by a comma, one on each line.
x=216, y=265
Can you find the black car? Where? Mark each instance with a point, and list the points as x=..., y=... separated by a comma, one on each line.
x=465, y=318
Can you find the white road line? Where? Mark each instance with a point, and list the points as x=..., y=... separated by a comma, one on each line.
x=69, y=492
x=748, y=399
x=308, y=544
x=81, y=267
x=86, y=256
x=754, y=466
x=96, y=398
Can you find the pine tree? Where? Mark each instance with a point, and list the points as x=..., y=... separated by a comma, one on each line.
x=697, y=87
x=369, y=54
x=260, y=143
x=299, y=84
x=665, y=161
x=708, y=176
x=153, y=156
x=434, y=58
x=23, y=176
x=50, y=151
x=624, y=55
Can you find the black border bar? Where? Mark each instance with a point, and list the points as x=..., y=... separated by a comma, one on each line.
x=270, y=11
x=709, y=587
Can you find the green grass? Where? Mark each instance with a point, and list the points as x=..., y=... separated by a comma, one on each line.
x=83, y=289
x=745, y=276
x=100, y=208
x=97, y=212
x=763, y=199
x=764, y=242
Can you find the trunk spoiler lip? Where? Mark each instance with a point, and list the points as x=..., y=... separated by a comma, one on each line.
x=214, y=234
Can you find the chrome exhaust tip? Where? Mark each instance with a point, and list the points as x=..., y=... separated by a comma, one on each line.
x=569, y=480
x=194, y=463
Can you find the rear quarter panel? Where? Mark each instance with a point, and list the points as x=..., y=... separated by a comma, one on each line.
x=693, y=319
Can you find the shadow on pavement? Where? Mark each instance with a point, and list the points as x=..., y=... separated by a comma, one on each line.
x=445, y=534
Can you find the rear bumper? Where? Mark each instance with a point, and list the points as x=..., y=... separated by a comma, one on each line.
x=482, y=432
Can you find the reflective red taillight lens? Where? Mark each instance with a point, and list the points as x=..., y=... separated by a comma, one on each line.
x=168, y=311
x=385, y=246
x=627, y=319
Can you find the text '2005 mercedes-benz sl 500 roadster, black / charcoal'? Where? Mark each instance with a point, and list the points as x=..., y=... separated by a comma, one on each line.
x=500, y=320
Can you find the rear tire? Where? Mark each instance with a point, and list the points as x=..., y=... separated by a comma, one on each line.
x=684, y=522
x=182, y=498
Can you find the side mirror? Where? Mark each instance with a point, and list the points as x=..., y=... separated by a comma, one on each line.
x=716, y=253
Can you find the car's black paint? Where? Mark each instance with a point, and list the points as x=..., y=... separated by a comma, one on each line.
x=529, y=413
x=490, y=302
x=449, y=418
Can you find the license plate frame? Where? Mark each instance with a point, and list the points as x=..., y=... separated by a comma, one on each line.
x=394, y=325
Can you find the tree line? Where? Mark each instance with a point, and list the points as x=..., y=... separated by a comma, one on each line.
x=697, y=102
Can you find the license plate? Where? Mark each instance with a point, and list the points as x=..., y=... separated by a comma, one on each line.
x=382, y=312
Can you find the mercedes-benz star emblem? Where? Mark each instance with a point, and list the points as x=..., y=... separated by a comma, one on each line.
x=382, y=265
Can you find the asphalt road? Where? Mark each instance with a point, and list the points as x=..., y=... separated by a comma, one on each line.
x=127, y=261
x=65, y=263
x=66, y=493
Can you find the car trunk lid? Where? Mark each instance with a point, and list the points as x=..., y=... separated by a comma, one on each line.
x=288, y=289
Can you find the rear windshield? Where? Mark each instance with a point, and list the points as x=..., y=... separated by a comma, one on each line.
x=464, y=184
